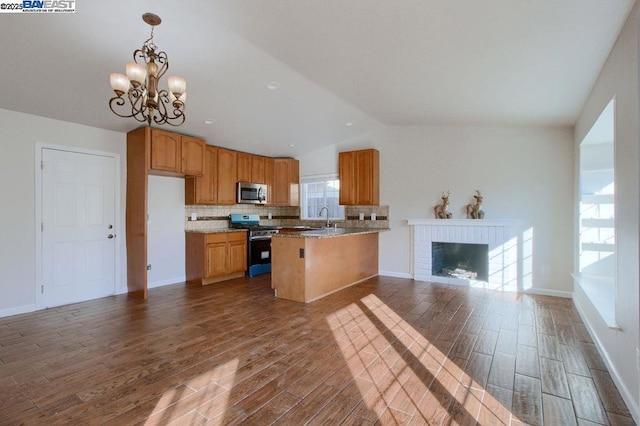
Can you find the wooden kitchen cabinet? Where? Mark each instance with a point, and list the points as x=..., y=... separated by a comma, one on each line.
x=268, y=179
x=193, y=156
x=175, y=154
x=286, y=177
x=244, y=167
x=227, y=176
x=359, y=174
x=237, y=252
x=204, y=189
x=250, y=168
x=215, y=257
x=257, y=169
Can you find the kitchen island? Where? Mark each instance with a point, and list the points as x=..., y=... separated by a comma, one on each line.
x=311, y=264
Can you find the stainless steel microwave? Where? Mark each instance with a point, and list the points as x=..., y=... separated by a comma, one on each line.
x=251, y=193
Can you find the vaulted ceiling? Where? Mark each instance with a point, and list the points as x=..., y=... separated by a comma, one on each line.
x=343, y=67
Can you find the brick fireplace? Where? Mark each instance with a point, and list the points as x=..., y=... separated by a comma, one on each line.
x=498, y=236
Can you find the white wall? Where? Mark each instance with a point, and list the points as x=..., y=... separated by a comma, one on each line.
x=165, y=238
x=523, y=173
x=619, y=78
x=20, y=132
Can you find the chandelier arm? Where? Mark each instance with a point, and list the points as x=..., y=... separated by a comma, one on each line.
x=161, y=116
x=178, y=113
x=163, y=60
x=136, y=99
x=119, y=101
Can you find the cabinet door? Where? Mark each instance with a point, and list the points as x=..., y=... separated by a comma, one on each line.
x=281, y=179
x=204, y=189
x=166, y=151
x=227, y=172
x=286, y=177
x=346, y=174
x=268, y=179
x=367, y=177
x=217, y=259
x=244, y=167
x=192, y=156
x=257, y=169
x=238, y=255
x=294, y=182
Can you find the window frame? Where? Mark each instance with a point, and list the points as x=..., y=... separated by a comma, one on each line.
x=339, y=211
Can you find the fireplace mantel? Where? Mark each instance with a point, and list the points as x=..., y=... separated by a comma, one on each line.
x=499, y=235
x=461, y=222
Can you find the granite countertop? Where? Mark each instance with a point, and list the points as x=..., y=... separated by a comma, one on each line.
x=215, y=230
x=329, y=232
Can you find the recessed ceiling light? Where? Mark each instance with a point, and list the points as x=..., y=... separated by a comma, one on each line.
x=273, y=85
x=292, y=145
x=209, y=121
x=348, y=123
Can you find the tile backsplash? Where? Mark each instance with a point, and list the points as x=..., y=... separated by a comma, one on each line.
x=217, y=217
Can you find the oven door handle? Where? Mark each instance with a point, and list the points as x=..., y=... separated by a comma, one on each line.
x=259, y=238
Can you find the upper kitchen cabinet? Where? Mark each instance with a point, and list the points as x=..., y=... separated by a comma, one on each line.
x=193, y=156
x=286, y=177
x=244, y=166
x=359, y=173
x=204, y=189
x=227, y=175
x=175, y=154
x=268, y=179
x=250, y=168
x=257, y=169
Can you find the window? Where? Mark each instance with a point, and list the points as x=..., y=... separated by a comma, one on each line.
x=317, y=192
x=596, y=262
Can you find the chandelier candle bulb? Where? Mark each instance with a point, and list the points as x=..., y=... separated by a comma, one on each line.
x=136, y=73
x=177, y=85
x=119, y=83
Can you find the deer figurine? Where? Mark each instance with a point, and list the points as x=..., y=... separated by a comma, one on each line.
x=441, y=209
x=474, y=211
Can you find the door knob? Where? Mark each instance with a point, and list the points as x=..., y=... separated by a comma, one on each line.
x=110, y=236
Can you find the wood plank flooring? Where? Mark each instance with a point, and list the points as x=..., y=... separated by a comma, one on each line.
x=386, y=351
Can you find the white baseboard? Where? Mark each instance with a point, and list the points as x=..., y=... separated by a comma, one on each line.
x=547, y=292
x=395, y=274
x=627, y=396
x=170, y=281
x=17, y=310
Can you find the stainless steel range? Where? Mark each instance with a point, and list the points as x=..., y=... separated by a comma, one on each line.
x=259, y=244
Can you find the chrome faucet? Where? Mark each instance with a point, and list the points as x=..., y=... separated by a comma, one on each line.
x=320, y=214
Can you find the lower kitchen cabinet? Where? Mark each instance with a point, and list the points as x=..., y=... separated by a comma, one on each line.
x=216, y=256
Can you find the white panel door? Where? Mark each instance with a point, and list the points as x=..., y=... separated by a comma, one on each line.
x=78, y=235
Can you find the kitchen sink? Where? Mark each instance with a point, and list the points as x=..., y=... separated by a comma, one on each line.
x=300, y=228
x=326, y=231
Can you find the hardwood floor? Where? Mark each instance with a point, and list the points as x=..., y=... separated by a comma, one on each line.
x=387, y=351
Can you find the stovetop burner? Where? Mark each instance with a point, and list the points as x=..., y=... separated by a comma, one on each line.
x=253, y=227
x=248, y=221
x=252, y=223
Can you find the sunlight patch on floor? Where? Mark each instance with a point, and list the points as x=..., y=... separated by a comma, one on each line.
x=204, y=397
x=402, y=376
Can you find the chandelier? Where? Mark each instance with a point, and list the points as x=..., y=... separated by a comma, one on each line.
x=140, y=86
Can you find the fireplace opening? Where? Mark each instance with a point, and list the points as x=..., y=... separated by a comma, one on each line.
x=457, y=260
